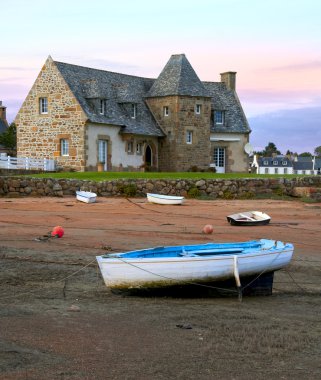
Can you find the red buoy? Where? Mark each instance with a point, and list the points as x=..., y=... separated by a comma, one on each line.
x=58, y=232
x=208, y=229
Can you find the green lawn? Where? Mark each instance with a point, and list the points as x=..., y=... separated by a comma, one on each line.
x=109, y=176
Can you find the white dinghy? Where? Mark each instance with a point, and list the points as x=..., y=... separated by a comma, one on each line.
x=165, y=199
x=86, y=196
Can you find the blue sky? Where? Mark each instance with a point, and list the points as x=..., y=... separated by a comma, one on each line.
x=274, y=46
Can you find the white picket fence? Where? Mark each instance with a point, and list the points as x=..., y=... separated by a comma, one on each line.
x=26, y=163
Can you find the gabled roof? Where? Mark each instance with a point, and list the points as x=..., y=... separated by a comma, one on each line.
x=282, y=161
x=226, y=100
x=178, y=78
x=90, y=85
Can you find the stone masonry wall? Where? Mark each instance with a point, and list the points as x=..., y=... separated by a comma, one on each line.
x=39, y=135
x=212, y=188
x=174, y=153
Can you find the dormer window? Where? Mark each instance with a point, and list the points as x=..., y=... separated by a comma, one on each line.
x=275, y=162
x=43, y=105
x=219, y=117
x=166, y=111
x=133, y=111
x=102, y=106
x=198, y=109
x=284, y=163
x=265, y=162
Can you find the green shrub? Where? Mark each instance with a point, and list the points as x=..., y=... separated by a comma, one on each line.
x=228, y=195
x=193, y=192
x=247, y=195
x=129, y=190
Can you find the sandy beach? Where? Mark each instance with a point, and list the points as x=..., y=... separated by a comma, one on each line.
x=59, y=321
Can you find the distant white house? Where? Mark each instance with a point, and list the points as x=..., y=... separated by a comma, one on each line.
x=286, y=165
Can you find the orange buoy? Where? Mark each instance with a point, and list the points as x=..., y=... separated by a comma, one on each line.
x=208, y=229
x=58, y=231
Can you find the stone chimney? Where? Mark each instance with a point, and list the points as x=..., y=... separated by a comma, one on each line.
x=3, y=116
x=229, y=78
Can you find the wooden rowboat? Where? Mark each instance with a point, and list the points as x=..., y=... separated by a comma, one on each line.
x=178, y=265
x=165, y=199
x=249, y=218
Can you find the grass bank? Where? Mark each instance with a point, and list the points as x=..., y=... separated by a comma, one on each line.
x=109, y=176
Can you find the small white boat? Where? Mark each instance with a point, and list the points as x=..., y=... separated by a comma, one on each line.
x=165, y=199
x=249, y=218
x=86, y=196
x=180, y=265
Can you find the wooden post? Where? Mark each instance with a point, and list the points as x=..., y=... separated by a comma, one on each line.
x=237, y=277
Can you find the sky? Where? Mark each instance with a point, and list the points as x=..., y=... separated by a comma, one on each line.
x=274, y=46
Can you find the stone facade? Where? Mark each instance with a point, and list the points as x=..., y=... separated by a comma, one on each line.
x=175, y=153
x=95, y=115
x=39, y=135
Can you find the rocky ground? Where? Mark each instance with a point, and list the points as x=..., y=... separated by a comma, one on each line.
x=59, y=321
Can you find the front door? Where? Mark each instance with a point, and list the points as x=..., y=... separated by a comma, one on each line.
x=102, y=153
x=148, y=156
x=219, y=160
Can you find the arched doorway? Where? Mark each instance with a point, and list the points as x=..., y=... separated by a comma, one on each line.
x=148, y=156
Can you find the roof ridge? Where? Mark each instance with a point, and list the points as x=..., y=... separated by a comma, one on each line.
x=105, y=71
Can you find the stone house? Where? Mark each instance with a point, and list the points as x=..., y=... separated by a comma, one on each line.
x=286, y=165
x=86, y=118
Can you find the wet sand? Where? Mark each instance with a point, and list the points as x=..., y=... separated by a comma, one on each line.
x=59, y=321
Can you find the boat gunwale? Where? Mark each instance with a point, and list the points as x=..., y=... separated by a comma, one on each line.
x=186, y=259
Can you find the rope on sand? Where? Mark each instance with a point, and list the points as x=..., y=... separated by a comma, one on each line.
x=57, y=281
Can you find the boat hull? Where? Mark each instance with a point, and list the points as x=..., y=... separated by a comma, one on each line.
x=249, y=218
x=125, y=272
x=86, y=196
x=164, y=199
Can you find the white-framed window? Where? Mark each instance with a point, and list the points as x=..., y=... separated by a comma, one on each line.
x=218, y=117
x=276, y=170
x=139, y=148
x=219, y=157
x=102, y=106
x=43, y=105
x=64, y=147
x=189, y=137
x=275, y=162
x=133, y=111
x=266, y=171
x=265, y=162
x=130, y=147
x=284, y=163
x=285, y=170
x=198, y=109
x=165, y=110
x=102, y=151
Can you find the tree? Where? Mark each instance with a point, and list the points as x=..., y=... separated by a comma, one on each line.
x=270, y=150
x=317, y=151
x=305, y=154
x=8, y=139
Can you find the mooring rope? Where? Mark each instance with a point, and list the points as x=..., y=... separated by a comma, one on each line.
x=57, y=281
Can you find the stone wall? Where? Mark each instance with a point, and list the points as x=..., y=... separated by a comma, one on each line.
x=174, y=153
x=213, y=188
x=39, y=135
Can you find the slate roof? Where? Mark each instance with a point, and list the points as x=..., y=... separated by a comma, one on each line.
x=120, y=90
x=306, y=163
x=277, y=161
x=178, y=78
x=227, y=101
